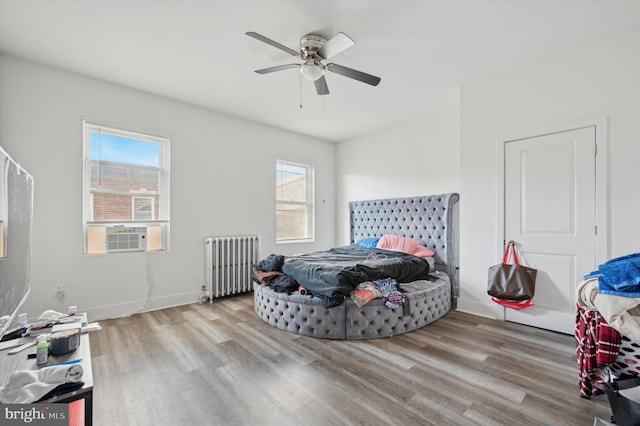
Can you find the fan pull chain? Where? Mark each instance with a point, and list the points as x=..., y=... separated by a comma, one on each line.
x=300, y=90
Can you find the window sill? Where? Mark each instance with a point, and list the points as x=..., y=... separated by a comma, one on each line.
x=296, y=241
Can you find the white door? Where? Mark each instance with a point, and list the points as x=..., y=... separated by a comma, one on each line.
x=550, y=193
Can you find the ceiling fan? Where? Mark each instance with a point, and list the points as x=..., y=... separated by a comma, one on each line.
x=314, y=52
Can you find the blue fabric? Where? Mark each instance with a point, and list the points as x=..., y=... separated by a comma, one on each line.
x=631, y=292
x=619, y=276
x=368, y=242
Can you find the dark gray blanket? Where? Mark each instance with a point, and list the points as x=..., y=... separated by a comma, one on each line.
x=334, y=273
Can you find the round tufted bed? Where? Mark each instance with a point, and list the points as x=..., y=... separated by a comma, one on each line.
x=428, y=219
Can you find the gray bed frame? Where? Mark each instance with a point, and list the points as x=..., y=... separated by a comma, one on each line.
x=429, y=219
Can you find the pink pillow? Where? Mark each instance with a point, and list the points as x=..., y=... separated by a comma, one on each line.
x=422, y=251
x=398, y=243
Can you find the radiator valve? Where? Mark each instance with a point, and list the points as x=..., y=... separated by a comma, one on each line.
x=204, y=295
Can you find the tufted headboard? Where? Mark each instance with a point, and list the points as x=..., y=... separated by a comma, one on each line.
x=429, y=219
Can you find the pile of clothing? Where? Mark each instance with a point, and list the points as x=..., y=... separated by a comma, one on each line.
x=385, y=288
x=619, y=276
x=608, y=314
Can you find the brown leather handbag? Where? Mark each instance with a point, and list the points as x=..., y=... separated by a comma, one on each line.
x=511, y=281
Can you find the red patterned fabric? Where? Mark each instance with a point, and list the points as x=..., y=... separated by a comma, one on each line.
x=597, y=346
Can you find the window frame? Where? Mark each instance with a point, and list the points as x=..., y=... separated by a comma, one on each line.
x=309, y=202
x=90, y=226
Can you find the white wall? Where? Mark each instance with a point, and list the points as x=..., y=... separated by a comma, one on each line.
x=220, y=161
x=222, y=183
x=417, y=158
x=600, y=80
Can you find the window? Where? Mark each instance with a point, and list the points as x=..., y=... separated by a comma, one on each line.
x=294, y=201
x=126, y=186
x=143, y=208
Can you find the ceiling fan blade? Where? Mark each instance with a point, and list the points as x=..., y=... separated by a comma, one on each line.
x=354, y=74
x=273, y=43
x=277, y=68
x=335, y=45
x=321, y=86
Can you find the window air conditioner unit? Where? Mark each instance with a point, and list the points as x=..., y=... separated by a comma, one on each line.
x=122, y=239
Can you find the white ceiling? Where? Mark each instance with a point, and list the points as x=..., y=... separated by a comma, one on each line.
x=197, y=51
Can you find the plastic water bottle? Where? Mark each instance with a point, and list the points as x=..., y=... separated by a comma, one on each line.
x=42, y=349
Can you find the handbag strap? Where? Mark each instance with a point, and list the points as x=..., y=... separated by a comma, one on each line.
x=511, y=248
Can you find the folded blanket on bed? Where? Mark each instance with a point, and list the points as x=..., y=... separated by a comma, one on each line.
x=619, y=276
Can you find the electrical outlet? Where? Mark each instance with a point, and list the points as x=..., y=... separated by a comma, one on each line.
x=58, y=291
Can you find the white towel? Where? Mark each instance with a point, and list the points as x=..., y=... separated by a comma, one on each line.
x=26, y=386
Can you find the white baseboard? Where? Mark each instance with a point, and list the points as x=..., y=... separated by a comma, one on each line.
x=120, y=310
x=493, y=311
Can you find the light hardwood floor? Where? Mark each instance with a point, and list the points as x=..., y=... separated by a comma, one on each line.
x=219, y=364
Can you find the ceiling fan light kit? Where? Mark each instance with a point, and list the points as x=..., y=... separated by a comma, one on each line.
x=315, y=51
x=311, y=72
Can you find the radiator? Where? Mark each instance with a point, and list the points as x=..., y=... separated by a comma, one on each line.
x=228, y=264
